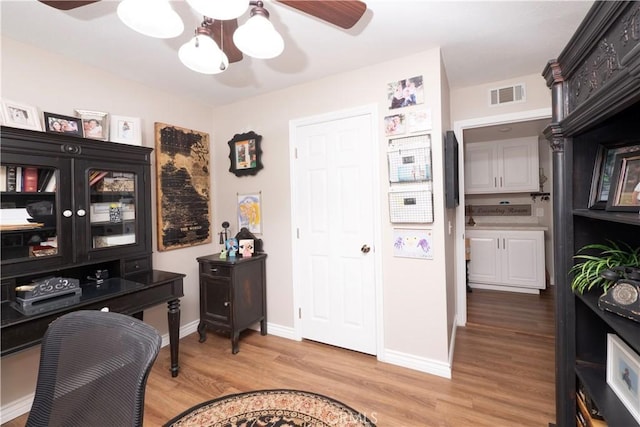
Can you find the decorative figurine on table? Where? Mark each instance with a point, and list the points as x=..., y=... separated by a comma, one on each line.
x=223, y=239
x=232, y=247
x=246, y=247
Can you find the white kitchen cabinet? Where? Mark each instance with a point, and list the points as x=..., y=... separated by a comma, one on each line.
x=511, y=260
x=504, y=166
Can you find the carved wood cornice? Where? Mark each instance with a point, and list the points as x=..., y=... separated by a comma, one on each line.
x=553, y=133
x=599, y=69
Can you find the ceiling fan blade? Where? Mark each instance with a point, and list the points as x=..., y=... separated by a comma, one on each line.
x=344, y=14
x=67, y=4
x=226, y=44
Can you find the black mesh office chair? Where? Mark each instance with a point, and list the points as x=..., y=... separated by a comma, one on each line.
x=93, y=370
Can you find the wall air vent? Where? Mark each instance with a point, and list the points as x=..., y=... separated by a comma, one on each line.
x=507, y=95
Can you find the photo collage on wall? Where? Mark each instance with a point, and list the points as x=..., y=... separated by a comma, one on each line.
x=410, y=166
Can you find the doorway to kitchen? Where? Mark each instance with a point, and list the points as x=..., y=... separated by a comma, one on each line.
x=489, y=128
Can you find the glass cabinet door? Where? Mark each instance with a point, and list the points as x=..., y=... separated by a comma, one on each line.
x=28, y=216
x=112, y=208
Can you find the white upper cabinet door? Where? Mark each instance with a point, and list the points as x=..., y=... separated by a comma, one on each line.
x=504, y=166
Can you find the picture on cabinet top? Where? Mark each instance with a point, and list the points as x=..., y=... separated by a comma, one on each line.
x=405, y=92
x=57, y=123
x=95, y=124
x=626, y=181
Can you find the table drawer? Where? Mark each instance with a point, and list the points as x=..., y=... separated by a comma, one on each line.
x=215, y=270
x=137, y=265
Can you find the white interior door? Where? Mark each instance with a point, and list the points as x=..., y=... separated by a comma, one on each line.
x=335, y=230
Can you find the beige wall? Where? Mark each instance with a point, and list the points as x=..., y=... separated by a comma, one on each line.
x=473, y=101
x=416, y=310
x=415, y=304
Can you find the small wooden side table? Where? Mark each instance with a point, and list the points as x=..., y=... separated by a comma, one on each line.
x=232, y=295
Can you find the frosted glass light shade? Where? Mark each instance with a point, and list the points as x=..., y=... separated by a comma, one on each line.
x=153, y=18
x=258, y=38
x=203, y=56
x=220, y=9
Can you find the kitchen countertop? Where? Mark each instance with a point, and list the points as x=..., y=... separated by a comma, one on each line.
x=507, y=226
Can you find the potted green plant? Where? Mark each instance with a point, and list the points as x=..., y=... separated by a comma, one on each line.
x=587, y=273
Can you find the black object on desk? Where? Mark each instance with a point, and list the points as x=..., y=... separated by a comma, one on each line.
x=127, y=296
x=233, y=295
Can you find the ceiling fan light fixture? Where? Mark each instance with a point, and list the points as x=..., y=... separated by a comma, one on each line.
x=153, y=18
x=202, y=54
x=258, y=38
x=220, y=9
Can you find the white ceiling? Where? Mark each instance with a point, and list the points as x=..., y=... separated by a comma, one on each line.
x=481, y=41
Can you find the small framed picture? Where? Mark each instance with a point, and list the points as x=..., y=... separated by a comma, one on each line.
x=250, y=212
x=394, y=125
x=245, y=246
x=245, y=154
x=95, y=124
x=57, y=123
x=623, y=369
x=624, y=194
x=602, y=173
x=126, y=130
x=20, y=115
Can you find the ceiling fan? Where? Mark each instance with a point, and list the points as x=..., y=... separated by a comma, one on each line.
x=342, y=13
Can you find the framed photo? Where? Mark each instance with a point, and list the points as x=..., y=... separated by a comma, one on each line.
x=126, y=130
x=623, y=369
x=405, y=92
x=21, y=116
x=624, y=194
x=419, y=120
x=245, y=154
x=245, y=247
x=57, y=123
x=394, y=125
x=95, y=124
x=602, y=173
x=250, y=212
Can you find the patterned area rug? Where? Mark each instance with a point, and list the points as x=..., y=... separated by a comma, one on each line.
x=271, y=408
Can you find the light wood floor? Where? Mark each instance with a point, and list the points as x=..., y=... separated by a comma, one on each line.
x=503, y=372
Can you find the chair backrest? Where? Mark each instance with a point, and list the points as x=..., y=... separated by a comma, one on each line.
x=93, y=370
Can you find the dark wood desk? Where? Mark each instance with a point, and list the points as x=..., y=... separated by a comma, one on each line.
x=130, y=296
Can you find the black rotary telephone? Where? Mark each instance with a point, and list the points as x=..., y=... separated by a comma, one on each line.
x=623, y=297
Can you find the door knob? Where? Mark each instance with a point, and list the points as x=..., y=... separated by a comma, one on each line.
x=365, y=249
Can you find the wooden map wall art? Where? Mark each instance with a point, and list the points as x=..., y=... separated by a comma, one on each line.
x=182, y=184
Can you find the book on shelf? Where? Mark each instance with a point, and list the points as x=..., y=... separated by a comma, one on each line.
x=30, y=179
x=95, y=176
x=11, y=178
x=44, y=175
x=3, y=178
x=51, y=185
x=18, y=178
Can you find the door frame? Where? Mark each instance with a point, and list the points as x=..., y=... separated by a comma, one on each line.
x=372, y=111
x=458, y=128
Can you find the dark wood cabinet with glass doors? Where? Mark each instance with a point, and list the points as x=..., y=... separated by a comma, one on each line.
x=70, y=201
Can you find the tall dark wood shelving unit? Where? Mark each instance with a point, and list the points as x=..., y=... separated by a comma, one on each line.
x=595, y=85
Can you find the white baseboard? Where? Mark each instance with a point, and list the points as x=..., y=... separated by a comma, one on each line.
x=416, y=363
x=517, y=289
x=16, y=408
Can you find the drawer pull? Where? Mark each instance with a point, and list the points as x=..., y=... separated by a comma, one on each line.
x=226, y=303
x=214, y=270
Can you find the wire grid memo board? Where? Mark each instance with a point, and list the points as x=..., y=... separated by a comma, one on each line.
x=410, y=195
x=410, y=159
x=411, y=205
